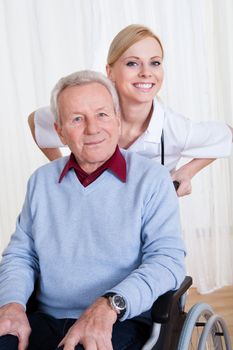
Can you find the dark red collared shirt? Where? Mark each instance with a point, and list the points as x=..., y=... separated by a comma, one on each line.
x=116, y=164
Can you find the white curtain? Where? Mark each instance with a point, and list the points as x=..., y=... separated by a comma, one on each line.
x=42, y=40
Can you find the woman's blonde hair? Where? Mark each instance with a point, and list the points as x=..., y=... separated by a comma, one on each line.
x=126, y=38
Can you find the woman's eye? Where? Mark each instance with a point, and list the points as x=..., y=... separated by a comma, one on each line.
x=155, y=63
x=131, y=64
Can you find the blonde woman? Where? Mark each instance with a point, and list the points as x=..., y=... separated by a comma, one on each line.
x=135, y=65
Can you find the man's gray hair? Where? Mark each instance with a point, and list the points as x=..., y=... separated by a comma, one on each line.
x=78, y=79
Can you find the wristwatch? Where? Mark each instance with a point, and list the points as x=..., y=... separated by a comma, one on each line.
x=117, y=303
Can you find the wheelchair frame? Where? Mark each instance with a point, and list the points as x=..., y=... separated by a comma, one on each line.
x=175, y=329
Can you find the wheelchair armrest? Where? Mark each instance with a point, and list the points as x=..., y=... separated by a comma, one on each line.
x=162, y=307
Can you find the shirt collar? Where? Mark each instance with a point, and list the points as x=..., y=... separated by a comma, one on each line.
x=155, y=128
x=116, y=164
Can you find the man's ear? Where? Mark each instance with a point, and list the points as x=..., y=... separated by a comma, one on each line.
x=59, y=131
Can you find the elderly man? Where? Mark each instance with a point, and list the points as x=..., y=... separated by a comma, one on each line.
x=99, y=231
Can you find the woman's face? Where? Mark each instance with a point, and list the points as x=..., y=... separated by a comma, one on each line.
x=138, y=73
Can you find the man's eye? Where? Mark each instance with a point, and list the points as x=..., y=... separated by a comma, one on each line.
x=76, y=119
x=102, y=115
x=131, y=64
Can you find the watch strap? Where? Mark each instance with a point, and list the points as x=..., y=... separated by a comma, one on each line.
x=107, y=295
x=120, y=313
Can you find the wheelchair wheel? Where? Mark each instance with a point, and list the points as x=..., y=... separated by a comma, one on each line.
x=216, y=329
x=203, y=331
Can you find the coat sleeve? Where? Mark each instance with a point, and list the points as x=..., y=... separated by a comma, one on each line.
x=207, y=139
x=45, y=133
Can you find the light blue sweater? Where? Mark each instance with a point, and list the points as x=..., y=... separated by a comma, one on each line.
x=84, y=241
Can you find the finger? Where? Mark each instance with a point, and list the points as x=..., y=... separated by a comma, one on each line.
x=69, y=346
x=106, y=345
x=23, y=344
x=181, y=191
x=23, y=340
x=23, y=336
x=68, y=343
x=63, y=341
x=60, y=344
x=102, y=342
x=184, y=190
x=90, y=344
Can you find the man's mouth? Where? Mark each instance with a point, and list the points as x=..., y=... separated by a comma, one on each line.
x=94, y=142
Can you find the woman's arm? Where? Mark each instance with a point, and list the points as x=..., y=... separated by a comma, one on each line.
x=185, y=174
x=231, y=131
x=50, y=153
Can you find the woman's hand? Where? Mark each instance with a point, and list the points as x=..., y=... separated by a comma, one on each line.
x=185, y=186
x=185, y=174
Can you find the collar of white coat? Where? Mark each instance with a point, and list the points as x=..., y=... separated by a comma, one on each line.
x=155, y=127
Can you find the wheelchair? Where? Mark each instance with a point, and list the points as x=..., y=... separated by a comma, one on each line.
x=174, y=329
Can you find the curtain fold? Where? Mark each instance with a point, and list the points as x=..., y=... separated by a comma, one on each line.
x=42, y=40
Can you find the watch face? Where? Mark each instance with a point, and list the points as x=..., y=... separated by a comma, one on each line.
x=119, y=302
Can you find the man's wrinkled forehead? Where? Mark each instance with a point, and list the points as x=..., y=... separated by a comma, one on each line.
x=92, y=96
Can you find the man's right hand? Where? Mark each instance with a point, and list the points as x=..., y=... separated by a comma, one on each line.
x=14, y=321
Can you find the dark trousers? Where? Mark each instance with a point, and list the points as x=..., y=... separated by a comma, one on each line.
x=47, y=332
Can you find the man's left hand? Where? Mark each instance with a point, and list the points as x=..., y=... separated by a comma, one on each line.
x=93, y=329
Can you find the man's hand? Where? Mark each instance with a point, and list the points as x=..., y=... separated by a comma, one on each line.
x=13, y=320
x=93, y=329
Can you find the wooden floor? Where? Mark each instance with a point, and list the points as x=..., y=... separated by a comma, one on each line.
x=220, y=300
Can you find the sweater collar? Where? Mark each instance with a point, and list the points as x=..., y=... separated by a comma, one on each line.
x=116, y=164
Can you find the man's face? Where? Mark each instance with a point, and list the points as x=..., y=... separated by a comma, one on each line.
x=88, y=124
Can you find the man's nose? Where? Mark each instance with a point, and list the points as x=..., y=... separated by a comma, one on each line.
x=92, y=127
